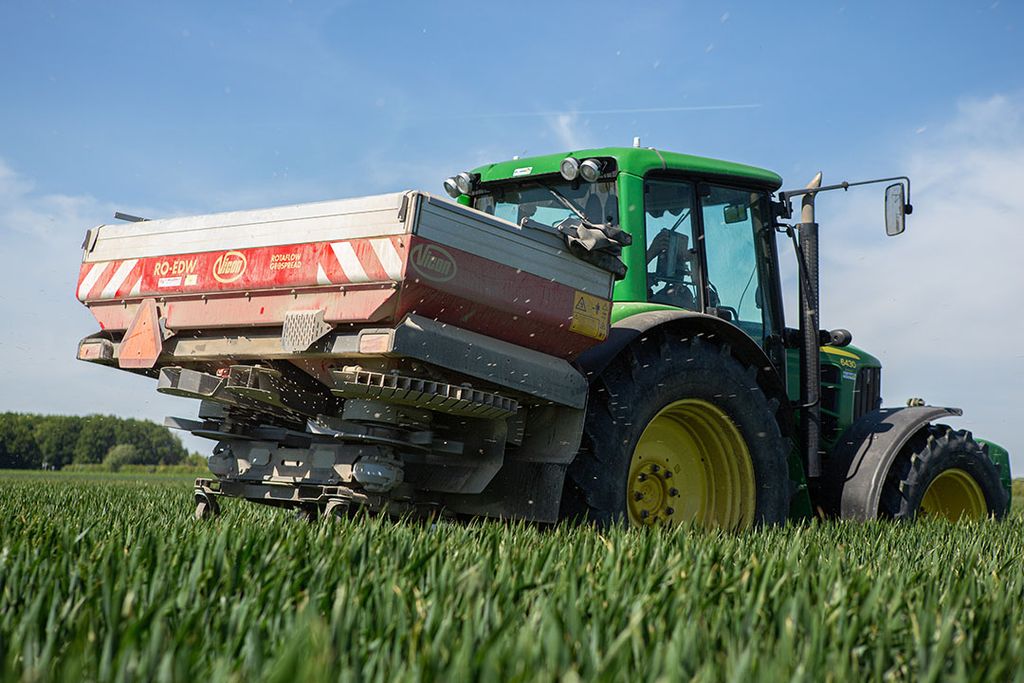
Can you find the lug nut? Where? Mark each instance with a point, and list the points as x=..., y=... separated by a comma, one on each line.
x=655, y=468
x=642, y=477
x=668, y=474
x=638, y=496
x=670, y=511
x=644, y=514
x=673, y=492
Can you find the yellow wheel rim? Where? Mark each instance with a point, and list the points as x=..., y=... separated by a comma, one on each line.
x=954, y=494
x=691, y=465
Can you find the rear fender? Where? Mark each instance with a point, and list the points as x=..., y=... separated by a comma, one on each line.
x=857, y=469
x=687, y=323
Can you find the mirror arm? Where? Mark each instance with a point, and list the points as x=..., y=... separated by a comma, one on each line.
x=786, y=195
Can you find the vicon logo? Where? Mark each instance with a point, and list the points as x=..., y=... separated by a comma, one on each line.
x=229, y=266
x=433, y=262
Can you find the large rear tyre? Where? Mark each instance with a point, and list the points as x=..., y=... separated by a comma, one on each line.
x=678, y=431
x=943, y=473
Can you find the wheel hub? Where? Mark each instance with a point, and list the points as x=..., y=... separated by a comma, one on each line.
x=954, y=494
x=691, y=464
x=653, y=490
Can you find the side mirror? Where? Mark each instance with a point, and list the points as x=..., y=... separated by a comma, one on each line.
x=895, y=209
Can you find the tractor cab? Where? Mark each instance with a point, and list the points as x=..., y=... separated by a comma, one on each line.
x=701, y=230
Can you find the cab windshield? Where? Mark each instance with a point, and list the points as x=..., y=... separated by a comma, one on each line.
x=538, y=202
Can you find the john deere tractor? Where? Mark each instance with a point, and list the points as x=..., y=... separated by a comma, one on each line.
x=593, y=335
x=703, y=405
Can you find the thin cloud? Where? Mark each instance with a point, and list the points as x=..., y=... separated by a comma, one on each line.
x=47, y=217
x=604, y=112
x=939, y=303
x=567, y=130
x=43, y=322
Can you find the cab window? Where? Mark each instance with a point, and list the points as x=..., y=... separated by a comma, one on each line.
x=733, y=221
x=535, y=202
x=671, y=249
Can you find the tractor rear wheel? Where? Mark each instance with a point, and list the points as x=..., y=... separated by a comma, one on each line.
x=943, y=473
x=678, y=431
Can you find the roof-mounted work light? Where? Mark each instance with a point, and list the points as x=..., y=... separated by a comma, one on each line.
x=591, y=169
x=451, y=188
x=465, y=181
x=570, y=168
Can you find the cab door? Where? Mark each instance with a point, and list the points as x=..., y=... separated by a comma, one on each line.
x=740, y=278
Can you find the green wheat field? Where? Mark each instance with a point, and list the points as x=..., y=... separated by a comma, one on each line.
x=107, y=577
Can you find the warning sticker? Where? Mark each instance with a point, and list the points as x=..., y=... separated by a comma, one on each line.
x=590, y=316
x=169, y=282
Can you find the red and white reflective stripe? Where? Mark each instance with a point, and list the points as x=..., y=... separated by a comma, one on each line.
x=118, y=278
x=349, y=262
x=388, y=256
x=355, y=263
x=107, y=279
x=94, y=274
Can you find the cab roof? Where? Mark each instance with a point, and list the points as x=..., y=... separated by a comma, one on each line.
x=636, y=160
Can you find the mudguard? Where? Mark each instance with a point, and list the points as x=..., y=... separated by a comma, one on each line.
x=861, y=460
x=594, y=360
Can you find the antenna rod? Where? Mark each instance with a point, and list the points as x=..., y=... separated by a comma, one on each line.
x=128, y=217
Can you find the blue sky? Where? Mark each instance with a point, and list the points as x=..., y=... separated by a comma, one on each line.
x=174, y=108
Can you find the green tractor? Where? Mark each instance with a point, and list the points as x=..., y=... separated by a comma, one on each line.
x=703, y=406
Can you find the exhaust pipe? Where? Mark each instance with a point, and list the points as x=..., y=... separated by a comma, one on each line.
x=810, y=358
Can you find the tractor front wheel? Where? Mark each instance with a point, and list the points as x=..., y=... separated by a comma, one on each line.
x=943, y=473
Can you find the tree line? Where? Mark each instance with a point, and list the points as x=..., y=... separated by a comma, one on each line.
x=52, y=441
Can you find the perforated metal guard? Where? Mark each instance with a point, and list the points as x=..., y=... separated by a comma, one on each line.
x=302, y=328
x=413, y=391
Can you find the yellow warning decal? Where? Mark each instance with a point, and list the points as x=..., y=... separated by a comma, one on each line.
x=590, y=316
